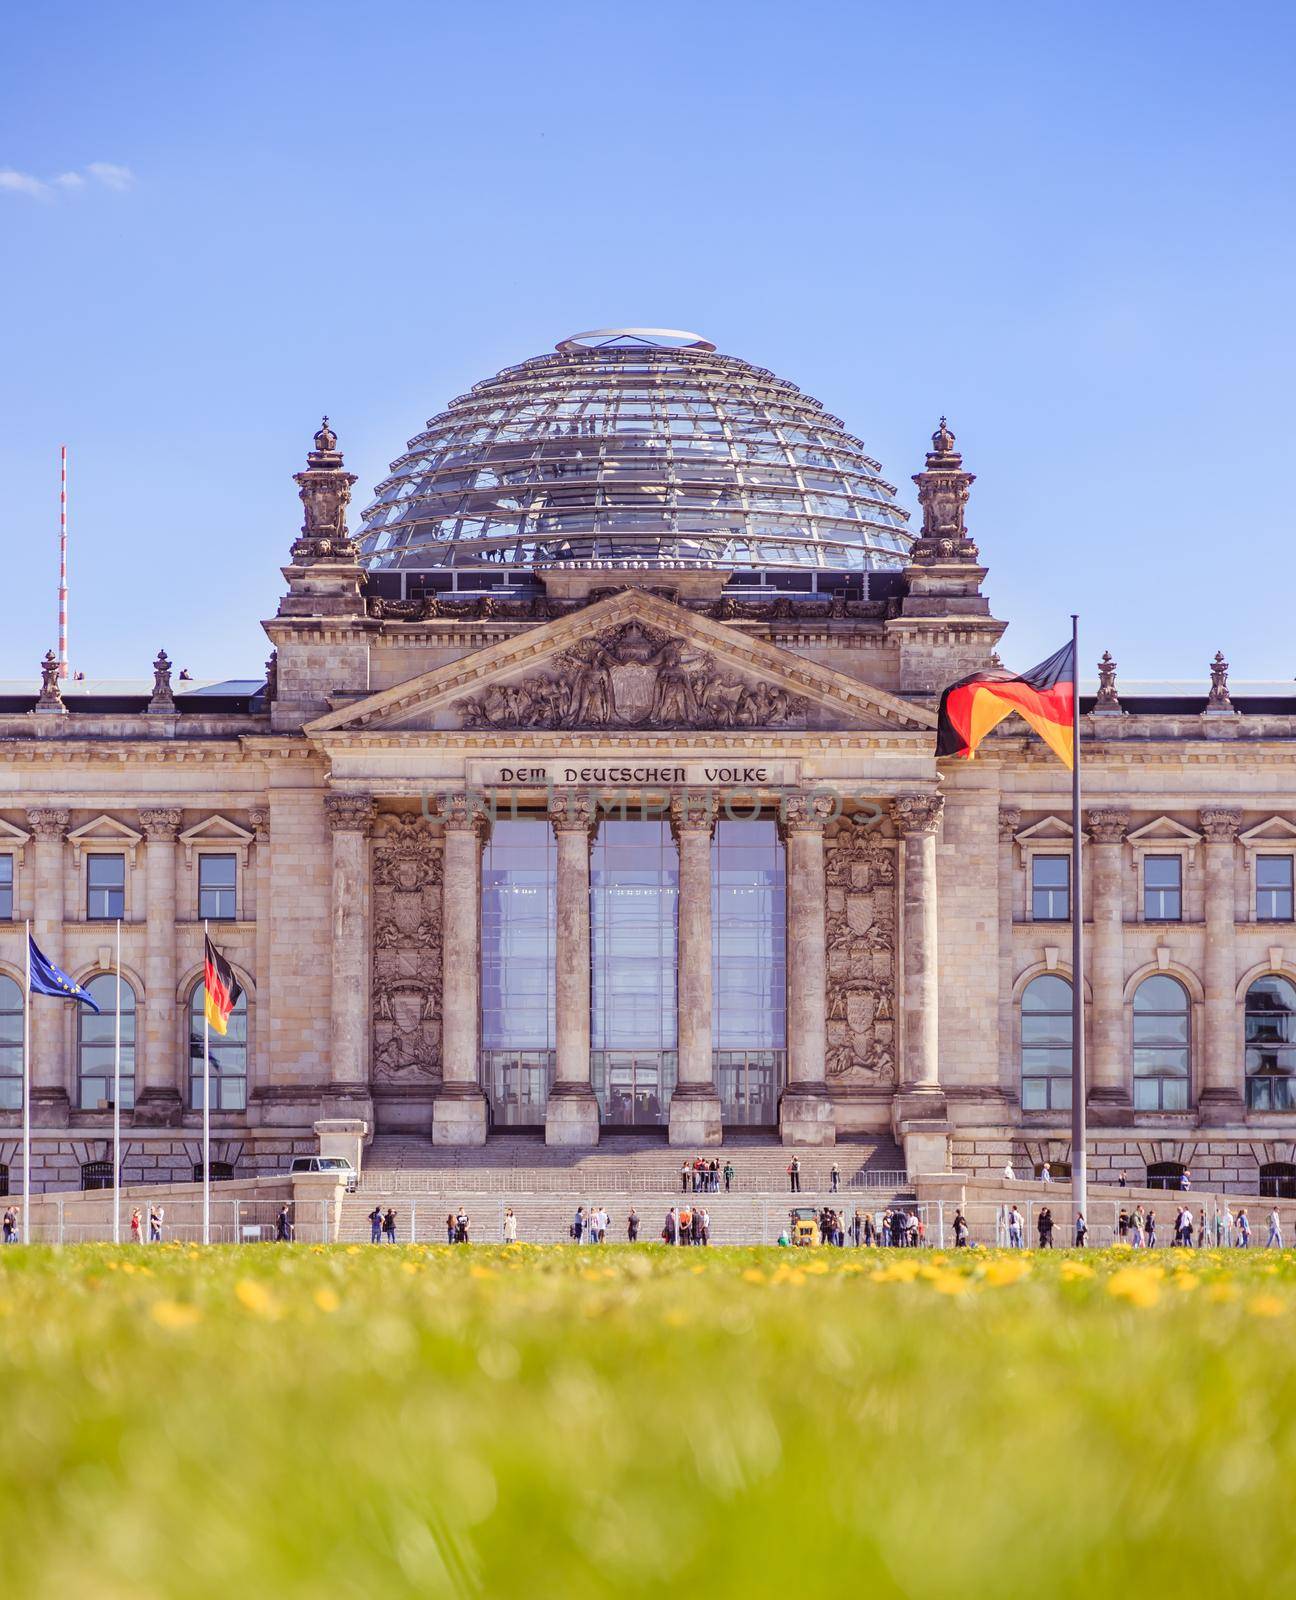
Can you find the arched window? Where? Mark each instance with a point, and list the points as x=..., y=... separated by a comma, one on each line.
x=4, y=1179
x=95, y=1047
x=96, y=1174
x=221, y=1171
x=228, y=1057
x=11, y=1045
x=1271, y=1044
x=1161, y=1037
x=1165, y=1175
x=1046, y=1044
x=1278, y=1180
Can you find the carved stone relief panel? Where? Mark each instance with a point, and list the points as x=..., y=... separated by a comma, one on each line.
x=860, y=868
x=406, y=952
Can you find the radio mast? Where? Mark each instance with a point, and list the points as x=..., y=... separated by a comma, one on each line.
x=62, y=593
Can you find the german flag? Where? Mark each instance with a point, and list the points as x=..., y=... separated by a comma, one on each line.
x=223, y=990
x=1044, y=697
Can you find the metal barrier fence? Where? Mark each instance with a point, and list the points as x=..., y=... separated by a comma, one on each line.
x=563, y=1180
x=64, y=1221
x=1220, y=1232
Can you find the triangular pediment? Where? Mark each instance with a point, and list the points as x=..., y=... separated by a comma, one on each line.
x=1273, y=830
x=1048, y=830
x=630, y=661
x=1163, y=830
x=216, y=830
x=104, y=830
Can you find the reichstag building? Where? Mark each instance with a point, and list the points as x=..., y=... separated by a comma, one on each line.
x=591, y=785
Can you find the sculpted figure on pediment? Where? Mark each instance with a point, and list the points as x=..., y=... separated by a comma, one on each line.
x=633, y=676
x=860, y=869
x=406, y=984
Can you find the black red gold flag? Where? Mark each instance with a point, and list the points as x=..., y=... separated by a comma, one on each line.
x=1044, y=697
x=223, y=990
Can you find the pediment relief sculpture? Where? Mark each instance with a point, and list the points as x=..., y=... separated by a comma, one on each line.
x=634, y=676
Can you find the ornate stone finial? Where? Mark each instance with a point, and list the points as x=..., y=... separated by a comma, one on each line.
x=917, y=813
x=325, y=490
x=353, y=812
x=943, y=489
x=272, y=675
x=1220, y=824
x=1107, y=824
x=162, y=702
x=1218, y=701
x=51, y=696
x=1107, y=699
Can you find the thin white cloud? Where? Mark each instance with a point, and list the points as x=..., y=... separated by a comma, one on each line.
x=23, y=183
x=111, y=175
x=108, y=173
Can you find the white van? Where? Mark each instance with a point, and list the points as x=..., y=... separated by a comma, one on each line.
x=338, y=1166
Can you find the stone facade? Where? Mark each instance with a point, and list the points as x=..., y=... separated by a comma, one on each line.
x=355, y=792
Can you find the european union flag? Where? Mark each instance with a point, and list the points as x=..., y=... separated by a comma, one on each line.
x=46, y=978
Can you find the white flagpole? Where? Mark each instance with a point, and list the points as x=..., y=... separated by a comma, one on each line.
x=116, y=1231
x=206, y=1139
x=26, y=1114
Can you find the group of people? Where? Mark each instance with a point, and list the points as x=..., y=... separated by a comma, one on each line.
x=11, y=1225
x=591, y=1223
x=156, y=1219
x=703, y=1177
x=794, y=1177
x=382, y=1225
x=1137, y=1228
x=687, y=1225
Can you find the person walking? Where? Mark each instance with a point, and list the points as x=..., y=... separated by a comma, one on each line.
x=669, y=1227
x=389, y=1225
x=510, y=1226
x=632, y=1227
x=449, y=1227
x=578, y=1224
x=283, y=1225
x=960, y=1230
x=1275, y=1231
x=461, y=1226
x=10, y=1224
x=686, y=1177
x=704, y=1226
x=1016, y=1228
x=794, y=1175
x=1149, y=1230
x=1046, y=1173
x=154, y=1225
x=1121, y=1181
x=1009, y=1175
x=714, y=1174
x=375, y=1225
x=728, y=1176
x=857, y=1224
x=1224, y=1227
x=1081, y=1231
x=137, y=1227
x=1201, y=1228
x=1045, y=1226
x=834, y=1179
x=1243, y=1229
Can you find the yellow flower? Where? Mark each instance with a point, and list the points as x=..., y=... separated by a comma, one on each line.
x=817, y=1267
x=1138, y=1285
x=481, y=1272
x=753, y=1275
x=255, y=1297
x=1005, y=1270
x=172, y=1314
x=1222, y=1293
x=326, y=1300
x=1073, y=1271
x=1266, y=1305
x=1185, y=1281
x=952, y=1283
x=409, y=1266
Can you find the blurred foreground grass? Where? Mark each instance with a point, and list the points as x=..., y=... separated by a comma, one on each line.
x=554, y=1421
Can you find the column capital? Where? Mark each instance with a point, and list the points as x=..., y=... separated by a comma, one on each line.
x=1009, y=821
x=462, y=813
x=573, y=811
x=48, y=822
x=353, y=813
x=694, y=812
x=917, y=813
x=259, y=819
x=806, y=811
x=1220, y=824
x=161, y=824
x=1108, y=824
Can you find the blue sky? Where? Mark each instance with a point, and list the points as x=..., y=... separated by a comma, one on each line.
x=1069, y=227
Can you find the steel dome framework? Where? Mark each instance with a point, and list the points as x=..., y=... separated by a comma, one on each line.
x=635, y=446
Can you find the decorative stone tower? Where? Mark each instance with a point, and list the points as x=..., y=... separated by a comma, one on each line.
x=316, y=659
x=945, y=628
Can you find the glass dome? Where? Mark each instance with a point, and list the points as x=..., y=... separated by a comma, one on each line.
x=640, y=446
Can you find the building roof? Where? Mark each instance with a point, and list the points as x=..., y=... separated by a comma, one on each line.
x=640, y=445
x=192, y=695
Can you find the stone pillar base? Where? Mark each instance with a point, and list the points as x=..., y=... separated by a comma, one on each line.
x=1215, y=1105
x=572, y=1116
x=342, y=1136
x=695, y=1118
x=346, y=1103
x=459, y=1116
x=926, y=1148
x=921, y=1105
x=806, y=1116
x=50, y=1108
x=1108, y=1108
x=159, y=1108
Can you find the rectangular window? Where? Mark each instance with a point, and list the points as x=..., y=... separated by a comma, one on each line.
x=6, y=889
x=1162, y=889
x=105, y=888
x=1050, y=888
x=1273, y=888
x=216, y=888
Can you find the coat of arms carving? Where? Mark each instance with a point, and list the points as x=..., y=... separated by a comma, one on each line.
x=406, y=953
x=860, y=869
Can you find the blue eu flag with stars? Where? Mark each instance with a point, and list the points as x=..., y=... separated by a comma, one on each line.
x=46, y=978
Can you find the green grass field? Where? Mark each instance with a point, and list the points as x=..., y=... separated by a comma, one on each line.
x=554, y=1421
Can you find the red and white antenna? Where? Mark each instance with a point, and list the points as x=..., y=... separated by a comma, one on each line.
x=62, y=620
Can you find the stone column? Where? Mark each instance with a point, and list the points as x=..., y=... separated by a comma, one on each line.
x=350, y=820
x=695, y=1117
x=916, y=818
x=805, y=1111
x=1009, y=1065
x=49, y=1067
x=1220, y=1080
x=459, y=1113
x=161, y=1066
x=259, y=1066
x=1109, y=1089
x=572, y=1114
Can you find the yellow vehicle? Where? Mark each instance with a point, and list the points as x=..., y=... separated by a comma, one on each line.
x=804, y=1225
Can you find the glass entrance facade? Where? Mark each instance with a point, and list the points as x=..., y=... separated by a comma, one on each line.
x=749, y=969
x=518, y=912
x=634, y=904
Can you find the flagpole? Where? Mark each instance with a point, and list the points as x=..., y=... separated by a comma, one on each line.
x=116, y=1229
x=206, y=1138
x=26, y=1114
x=1079, y=1129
